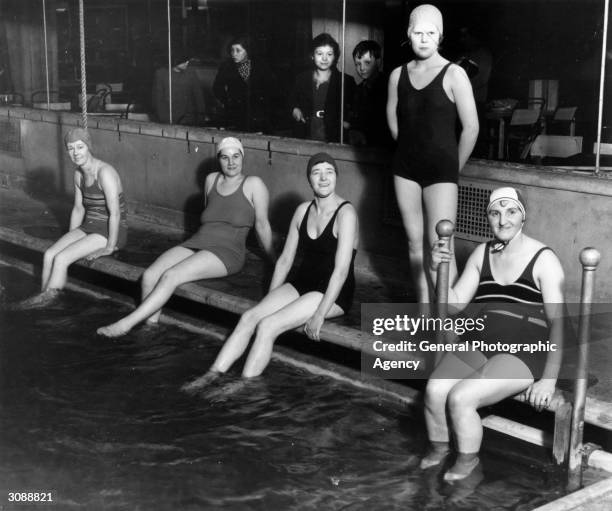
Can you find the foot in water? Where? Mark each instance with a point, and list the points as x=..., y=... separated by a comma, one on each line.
x=463, y=467
x=39, y=300
x=203, y=381
x=438, y=451
x=113, y=330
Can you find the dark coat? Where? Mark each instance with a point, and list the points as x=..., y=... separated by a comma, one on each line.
x=247, y=105
x=301, y=97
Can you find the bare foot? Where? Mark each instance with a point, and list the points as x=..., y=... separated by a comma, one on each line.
x=461, y=469
x=39, y=300
x=203, y=381
x=435, y=456
x=113, y=330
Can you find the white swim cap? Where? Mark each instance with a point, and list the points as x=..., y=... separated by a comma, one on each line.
x=510, y=194
x=230, y=142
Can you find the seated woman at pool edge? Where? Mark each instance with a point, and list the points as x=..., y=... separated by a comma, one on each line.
x=526, y=276
x=324, y=232
x=98, y=223
x=234, y=203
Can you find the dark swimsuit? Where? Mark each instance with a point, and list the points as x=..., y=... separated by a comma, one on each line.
x=427, y=148
x=226, y=222
x=522, y=322
x=96, y=213
x=318, y=258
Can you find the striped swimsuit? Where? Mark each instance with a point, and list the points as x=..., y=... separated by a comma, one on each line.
x=514, y=312
x=96, y=213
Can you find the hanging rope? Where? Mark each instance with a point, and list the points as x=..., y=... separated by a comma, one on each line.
x=602, y=79
x=342, y=72
x=83, y=73
x=169, y=66
x=46, y=53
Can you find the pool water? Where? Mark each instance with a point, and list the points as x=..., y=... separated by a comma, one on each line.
x=104, y=425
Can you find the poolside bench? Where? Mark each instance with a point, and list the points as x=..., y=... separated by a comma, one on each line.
x=219, y=293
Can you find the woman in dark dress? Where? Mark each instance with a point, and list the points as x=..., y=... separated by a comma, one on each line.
x=316, y=97
x=245, y=86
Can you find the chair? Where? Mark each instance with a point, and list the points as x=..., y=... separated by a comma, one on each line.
x=565, y=119
x=524, y=127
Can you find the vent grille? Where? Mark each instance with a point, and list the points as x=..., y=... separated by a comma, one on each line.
x=10, y=136
x=472, y=222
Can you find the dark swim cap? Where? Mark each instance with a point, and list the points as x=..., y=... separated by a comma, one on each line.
x=78, y=134
x=320, y=158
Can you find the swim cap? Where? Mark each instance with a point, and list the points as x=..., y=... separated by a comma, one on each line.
x=230, y=142
x=510, y=194
x=320, y=158
x=78, y=134
x=426, y=13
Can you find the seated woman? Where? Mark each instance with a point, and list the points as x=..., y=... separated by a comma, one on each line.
x=325, y=233
x=98, y=223
x=315, y=101
x=234, y=203
x=246, y=88
x=526, y=280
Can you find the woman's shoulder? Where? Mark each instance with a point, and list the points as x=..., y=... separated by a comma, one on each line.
x=106, y=171
x=254, y=184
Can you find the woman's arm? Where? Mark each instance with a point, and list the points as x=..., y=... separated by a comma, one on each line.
x=548, y=273
x=461, y=294
x=78, y=211
x=466, y=109
x=111, y=187
x=348, y=227
x=285, y=260
x=392, y=102
x=261, y=200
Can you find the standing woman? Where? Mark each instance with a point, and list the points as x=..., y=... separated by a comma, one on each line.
x=324, y=233
x=315, y=101
x=245, y=87
x=234, y=203
x=98, y=224
x=425, y=98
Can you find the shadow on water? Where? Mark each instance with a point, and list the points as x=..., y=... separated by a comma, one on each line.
x=104, y=424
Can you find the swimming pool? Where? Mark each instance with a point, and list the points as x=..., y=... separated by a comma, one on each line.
x=103, y=424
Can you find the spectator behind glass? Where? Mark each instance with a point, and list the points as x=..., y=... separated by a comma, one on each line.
x=244, y=86
x=368, y=122
x=187, y=95
x=315, y=99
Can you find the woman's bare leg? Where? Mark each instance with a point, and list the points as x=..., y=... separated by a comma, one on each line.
x=67, y=239
x=449, y=372
x=82, y=247
x=201, y=265
x=238, y=341
x=270, y=327
x=501, y=377
x=409, y=201
x=153, y=273
x=440, y=201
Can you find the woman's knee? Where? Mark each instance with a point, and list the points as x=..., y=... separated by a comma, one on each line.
x=436, y=393
x=266, y=329
x=249, y=318
x=171, y=277
x=460, y=400
x=150, y=277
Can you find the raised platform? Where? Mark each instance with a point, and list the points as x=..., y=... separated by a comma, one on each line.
x=33, y=224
